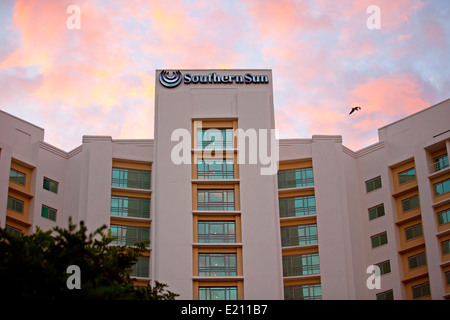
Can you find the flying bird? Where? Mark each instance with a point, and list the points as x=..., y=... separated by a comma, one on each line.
x=355, y=109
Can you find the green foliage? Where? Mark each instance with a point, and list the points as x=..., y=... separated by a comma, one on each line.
x=35, y=266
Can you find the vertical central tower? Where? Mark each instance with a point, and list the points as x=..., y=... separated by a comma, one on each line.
x=216, y=222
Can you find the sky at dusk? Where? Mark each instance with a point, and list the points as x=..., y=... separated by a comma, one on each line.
x=100, y=79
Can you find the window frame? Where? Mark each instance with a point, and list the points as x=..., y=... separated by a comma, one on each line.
x=414, y=229
x=15, y=201
x=308, y=236
x=126, y=211
x=228, y=266
x=378, y=215
x=373, y=181
x=420, y=260
x=226, y=289
x=291, y=292
x=123, y=180
x=209, y=237
x=310, y=264
x=445, y=187
x=385, y=294
x=421, y=286
x=208, y=205
x=50, y=212
x=306, y=178
x=409, y=199
x=125, y=239
x=445, y=245
x=207, y=174
x=18, y=174
x=297, y=211
x=445, y=212
x=50, y=183
x=406, y=175
x=378, y=236
x=385, y=267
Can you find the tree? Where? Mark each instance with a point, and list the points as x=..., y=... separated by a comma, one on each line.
x=35, y=266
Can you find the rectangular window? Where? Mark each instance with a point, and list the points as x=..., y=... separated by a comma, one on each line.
x=217, y=293
x=373, y=184
x=216, y=232
x=410, y=203
x=131, y=178
x=295, y=178
x=130, y=207
x=221, y=200
x=297, y=206
x=413, y=232
x=129, y=235
x=417, y=261
x=299, y=235
x=440, y=162
x=217, y=264
x=385, y=267
x=141, y=268
x=49, y=213
x=17, y=177
x=214, y=138
x=386, y=295
x=441, y=187
x=15, y=204
x=376, y=212
x=445, y=247
x=301, y=264
x=443, y=216
x=407, y=175
x=447, y=278
x=379, y=239
x=303, y=292
x=14, y=231
x=215, y=169
x=421, y=290
x=50, y=185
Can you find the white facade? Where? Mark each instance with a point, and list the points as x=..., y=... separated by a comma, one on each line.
x=344, y=229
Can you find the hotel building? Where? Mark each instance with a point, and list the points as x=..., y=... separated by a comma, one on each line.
x=220, y=224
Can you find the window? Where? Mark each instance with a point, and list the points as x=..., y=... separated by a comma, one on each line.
x=49, y=213
x=303, y=292
x=130, y=178
x=421, y=290
x=215, y=169
x=217, y=293
x=447, y=278
x=386, y=295
x=216, y=232
x=445, y=247
x=297, y=206
x=130, y=207
x=385, y=267
x=410, y=203
x=373, y=184
x=14, y=231
x=295, y=178
x=299, y=235
x=441, y=187
x=376, y=212
x=50, y=185
x=17, y=177
x=221, y=200
x=443, y=216
x=379, y=239
x=217, y=264
x=128, y=235
x=413, y=232
x=15, y=204
x=301, y=264
x=141, y=268
x=417, y=261
x=440, y=162
x=406, y=176
x=215, y=138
